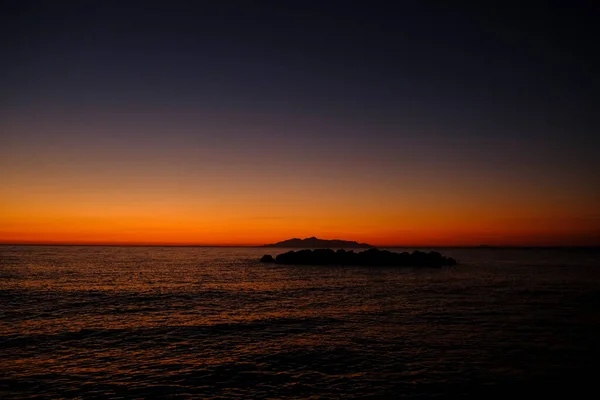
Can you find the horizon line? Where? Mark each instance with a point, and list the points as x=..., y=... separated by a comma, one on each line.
x=480, y=246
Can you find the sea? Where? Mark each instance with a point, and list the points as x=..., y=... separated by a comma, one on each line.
x=215, y=323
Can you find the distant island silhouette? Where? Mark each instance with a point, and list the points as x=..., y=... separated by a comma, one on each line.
x=316, y=243
x=371, y=257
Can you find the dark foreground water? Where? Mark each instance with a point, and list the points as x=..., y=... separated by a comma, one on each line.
x=138, y=322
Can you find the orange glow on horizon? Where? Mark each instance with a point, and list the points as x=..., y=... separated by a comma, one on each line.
x=381, y=228
x=64, y=206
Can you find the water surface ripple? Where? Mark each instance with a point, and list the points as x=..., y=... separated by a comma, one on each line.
x=135, y=322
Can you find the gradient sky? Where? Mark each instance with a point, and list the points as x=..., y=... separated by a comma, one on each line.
x=253, y=122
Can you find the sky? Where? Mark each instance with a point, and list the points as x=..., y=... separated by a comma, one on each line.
x=243, y=123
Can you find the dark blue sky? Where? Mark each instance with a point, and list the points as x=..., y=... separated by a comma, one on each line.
x=508, y=66
x=522, y=74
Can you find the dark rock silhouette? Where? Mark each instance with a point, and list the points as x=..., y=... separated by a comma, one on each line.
x=316, y=243
x=267, y=258
x=371, y=257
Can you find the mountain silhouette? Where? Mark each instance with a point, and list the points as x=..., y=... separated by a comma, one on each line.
x=316, y=243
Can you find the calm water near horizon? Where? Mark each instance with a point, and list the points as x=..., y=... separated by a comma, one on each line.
x=193, y=322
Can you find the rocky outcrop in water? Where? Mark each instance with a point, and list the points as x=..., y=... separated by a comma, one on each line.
x=267, y=258
x=371, y=257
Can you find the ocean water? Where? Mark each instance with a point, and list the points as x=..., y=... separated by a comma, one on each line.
x=184, y=322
